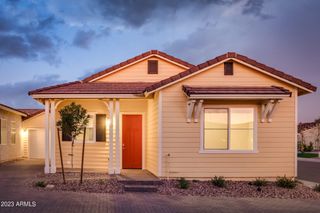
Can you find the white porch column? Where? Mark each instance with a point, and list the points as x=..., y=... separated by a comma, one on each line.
x=53, y=136
x=117, y=112
x=46, y=125
x=110, y=108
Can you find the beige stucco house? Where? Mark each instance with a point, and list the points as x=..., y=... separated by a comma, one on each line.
x=11, y=143
x=230, y=116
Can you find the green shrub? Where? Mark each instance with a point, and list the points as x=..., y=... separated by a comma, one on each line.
x=285, y=182
x=40, y=183
x=183, y=183
x=317, y=188
x=218, y=181
x=259, y=182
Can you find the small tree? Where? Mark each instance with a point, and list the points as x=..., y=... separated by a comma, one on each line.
x=73, y=120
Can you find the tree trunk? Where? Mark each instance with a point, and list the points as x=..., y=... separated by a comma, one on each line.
x=83, y=146
x=61, y=158
x=72, y=143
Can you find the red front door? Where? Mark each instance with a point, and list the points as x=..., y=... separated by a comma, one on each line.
x=131, y=141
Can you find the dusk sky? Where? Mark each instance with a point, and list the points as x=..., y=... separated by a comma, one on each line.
x=54, y=41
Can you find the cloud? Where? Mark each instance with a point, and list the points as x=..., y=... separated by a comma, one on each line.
x=27, y=33
x=255, y=7
x=16, y=94
x=83, y=39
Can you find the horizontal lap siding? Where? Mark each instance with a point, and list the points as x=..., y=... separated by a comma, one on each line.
x=139, y=72
x=152, y=136
x=276, y=140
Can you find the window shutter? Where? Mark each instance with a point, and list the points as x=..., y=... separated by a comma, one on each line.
x=152, y=67
x=228, y=68
x=100, y=127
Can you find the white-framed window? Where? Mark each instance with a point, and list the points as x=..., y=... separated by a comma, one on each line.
x=228, y=130
x=3, y=131
x=13, y=133
x=90, y=130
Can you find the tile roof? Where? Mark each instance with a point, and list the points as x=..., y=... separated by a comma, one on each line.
x=31, y=112
x=95, y=88
x=6, y=107
x=136, y=58
x=273, y=90
x=231, y=55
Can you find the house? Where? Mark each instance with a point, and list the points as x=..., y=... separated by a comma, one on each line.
x=11, y=145
x=309, y=133
x=230, y=116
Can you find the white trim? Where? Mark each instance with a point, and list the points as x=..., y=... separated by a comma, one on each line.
x=231, y=106
x=46, y=128
x=235, y=96
x=53, y=137
x=117, y=111
x=143, y=136
x=110, y=108
x=88, y=96
x=220, y=62
x=296, y=134
x=160, y=134
x=135, y=62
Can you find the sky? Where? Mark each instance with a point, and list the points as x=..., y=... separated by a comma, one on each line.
x=46, y=42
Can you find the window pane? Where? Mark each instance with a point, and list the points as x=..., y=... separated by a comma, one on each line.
x=241, y=118
x=4, y=132
x=216, y=118
x=241, y=139
x=215, y=139
x=89, y=135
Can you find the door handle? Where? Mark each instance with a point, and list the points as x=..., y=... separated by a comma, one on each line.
x=123, y=146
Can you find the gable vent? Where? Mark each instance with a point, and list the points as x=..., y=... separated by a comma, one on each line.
x=152, y=67
x=228, y=68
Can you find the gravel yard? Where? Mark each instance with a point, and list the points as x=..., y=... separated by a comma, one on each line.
x=103, y=183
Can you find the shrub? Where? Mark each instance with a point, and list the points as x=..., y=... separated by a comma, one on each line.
x=218, y=181
x=317, y=188
x=183, y=183
x=40, y=183
x=259, y=182
x=285, y=182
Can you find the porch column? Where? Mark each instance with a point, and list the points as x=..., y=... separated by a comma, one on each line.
x=117, y=111
x=110, y=108
x=53, y=136
x=46, y=146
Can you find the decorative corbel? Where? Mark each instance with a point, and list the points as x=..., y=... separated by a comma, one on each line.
x=267, y=110
x=197, y=110
x=190, y=106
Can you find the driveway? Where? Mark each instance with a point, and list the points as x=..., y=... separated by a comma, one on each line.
x=309, y=170
x=13, y=188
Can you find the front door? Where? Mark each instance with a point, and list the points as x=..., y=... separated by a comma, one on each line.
x=131, y=141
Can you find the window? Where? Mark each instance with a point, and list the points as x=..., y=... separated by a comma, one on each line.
x=100, y=127
x=13, y=132
x=3, y=132
x=152, y=67
x=89, y=130
x=228, y=129
x=228, y=68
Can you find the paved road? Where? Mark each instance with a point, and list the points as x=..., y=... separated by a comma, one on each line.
x=12, y=188
x=309, y=171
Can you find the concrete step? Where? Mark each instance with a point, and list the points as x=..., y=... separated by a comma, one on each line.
x=141, y=182
x=140, y=188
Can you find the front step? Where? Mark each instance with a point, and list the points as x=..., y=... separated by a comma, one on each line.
x=140, y=188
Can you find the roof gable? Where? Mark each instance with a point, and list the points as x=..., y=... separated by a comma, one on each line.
x=13, y=110
x=137, y=59
x=304, y=86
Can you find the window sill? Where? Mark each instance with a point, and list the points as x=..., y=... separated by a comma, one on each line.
x=228, y=152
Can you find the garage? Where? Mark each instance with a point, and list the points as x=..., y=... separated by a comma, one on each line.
x=36, y=143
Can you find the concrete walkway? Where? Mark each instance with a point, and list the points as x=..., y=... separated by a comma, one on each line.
x=12, y=188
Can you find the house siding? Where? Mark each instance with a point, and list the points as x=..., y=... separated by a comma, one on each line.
x=139, y=72
x=181, y=140
x=10, y=151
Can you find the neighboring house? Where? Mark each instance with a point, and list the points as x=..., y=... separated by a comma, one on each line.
x=309, y=133
x=11, y=145
x=230, y=116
